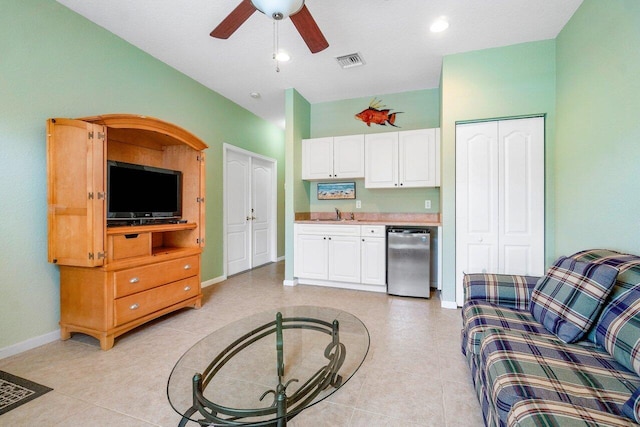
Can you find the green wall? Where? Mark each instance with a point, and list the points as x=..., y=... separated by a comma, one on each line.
x=55, y=63
x=297, y=111
x=598, y=131
x=502, y=82
x=420, y=109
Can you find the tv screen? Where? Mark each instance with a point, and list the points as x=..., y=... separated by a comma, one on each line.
x=137, y=191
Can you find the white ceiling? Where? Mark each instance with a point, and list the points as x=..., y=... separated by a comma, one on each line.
x=393, y=37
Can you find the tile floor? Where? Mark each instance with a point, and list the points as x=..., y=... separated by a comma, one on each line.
x=414, y=374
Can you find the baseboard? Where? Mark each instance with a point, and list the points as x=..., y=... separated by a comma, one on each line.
x=280, y=258
x=29, y=344
x=213, y=281
x=293, y=282
x=449, y=304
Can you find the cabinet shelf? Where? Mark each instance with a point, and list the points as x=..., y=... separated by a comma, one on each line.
x=133, y=229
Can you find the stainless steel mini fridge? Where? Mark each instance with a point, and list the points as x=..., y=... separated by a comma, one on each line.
x=408, y=261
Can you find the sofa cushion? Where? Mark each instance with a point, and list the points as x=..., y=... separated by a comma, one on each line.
x=618, y=330
x=536, y=413
x=632, y=407
x=519, y=366
x=505, y=290
x=569, y=297
x=480, y=316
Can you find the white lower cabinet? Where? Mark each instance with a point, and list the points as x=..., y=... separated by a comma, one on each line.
x=341, y=255
x=373, y=256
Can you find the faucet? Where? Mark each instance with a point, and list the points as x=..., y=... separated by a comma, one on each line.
x=338, y=215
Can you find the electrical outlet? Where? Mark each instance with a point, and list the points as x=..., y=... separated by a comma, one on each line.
x=427, y=204
x=358, y=204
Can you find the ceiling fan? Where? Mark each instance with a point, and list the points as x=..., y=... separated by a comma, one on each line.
x=278, y=10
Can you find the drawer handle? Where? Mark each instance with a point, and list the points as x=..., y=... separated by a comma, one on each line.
x=187, y=266
x=134, y=306
x=134, y=280
x=187, y=288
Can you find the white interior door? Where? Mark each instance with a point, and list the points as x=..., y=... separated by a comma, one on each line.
x=521, y=205
x=261, y=211
x=476, y=198
x=238, y=210
x=250, y=210
x=499, y=198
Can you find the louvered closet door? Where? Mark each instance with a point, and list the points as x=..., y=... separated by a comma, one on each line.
x=499, y=198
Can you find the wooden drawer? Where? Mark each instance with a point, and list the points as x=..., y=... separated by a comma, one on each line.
x=139, y=279
x=138, y=305
x=129, y=245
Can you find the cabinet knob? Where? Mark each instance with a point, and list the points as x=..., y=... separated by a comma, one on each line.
x=187, y=266
x=329, y=238
x=401, y=184
x=134, y=280
x=134, y=306
x=187, y=288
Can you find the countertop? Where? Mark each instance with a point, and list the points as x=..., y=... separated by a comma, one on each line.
x=364, y=218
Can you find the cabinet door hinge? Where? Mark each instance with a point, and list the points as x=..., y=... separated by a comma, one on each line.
x=199, y=199
x=100, y=135
x=100, y=255
x=91, y=195
x=90, y=135
x=200, y=241
x=200, y=158
x=99, y=195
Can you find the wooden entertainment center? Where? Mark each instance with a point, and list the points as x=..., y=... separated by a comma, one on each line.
x=115, y=278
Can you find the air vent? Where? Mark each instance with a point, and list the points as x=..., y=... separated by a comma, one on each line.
x=350, y=61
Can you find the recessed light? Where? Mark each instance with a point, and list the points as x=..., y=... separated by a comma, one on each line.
x=439, y=25
x=282, y=56
x=255, y=95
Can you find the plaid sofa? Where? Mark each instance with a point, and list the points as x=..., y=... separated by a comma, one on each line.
x=525, y=375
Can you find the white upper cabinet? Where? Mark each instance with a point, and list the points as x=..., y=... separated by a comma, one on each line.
x=403, y=159
x=333, y=157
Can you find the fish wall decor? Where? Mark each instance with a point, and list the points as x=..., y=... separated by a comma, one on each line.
x=377, y=114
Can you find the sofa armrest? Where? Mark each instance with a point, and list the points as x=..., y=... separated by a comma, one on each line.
x=507, y=290
x=537, y=412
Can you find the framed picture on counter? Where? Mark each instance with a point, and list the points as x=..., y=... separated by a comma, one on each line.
x=336, y=190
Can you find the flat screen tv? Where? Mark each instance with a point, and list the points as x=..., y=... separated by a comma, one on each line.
x=138, y=193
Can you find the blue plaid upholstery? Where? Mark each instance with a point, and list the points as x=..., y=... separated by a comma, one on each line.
x=506, y=290
x=569, y=297
x=516, y=363
x=619, y=329
x=479, y=317
x=631, y=407
x=536, y=413
x=519, y=366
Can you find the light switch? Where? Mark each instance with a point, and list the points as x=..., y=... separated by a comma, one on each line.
x=427, y=204
x=358, y=204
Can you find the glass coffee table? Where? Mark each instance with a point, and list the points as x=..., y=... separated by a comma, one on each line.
x=266, y=368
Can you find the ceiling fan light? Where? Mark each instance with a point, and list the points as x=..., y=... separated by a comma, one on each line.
x=278, y=9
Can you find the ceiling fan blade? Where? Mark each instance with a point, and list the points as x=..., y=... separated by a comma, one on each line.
x=309, y=30
x=233, y=21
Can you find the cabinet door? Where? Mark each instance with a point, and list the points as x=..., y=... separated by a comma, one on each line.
x=344, y=258
x=348, y=156
x=381, y=160
x=418, y=158
x=311, y=260
x=76, y=153
x=317, y=158
x=373, y=261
